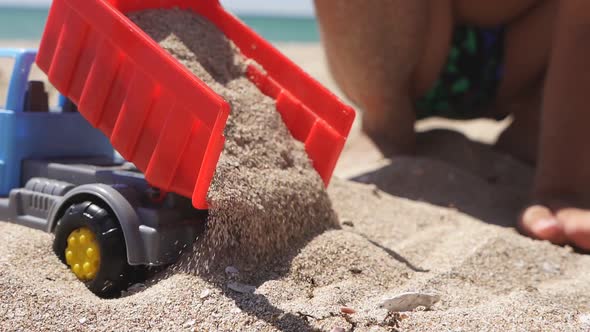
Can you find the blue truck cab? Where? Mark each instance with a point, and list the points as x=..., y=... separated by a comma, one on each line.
x=37, y=133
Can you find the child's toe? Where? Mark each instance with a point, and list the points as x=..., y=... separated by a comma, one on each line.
x=539, y=222
x=576, y=225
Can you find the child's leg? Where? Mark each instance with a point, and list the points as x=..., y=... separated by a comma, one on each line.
x=551, y=35
x=527, y=49
x=380, y=53
x=562, y=182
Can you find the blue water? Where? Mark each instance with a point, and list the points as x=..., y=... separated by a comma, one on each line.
x=17, y=23
x=28, y=23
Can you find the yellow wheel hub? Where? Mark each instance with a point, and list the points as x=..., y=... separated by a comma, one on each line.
x=83, y=254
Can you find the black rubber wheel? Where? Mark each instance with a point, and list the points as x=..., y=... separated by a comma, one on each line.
x=114, y=273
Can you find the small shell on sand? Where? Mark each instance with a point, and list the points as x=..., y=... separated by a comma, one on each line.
x=409, y=302
x=189, y=323
x=205, y=294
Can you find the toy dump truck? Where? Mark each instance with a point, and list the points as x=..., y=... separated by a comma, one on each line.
x=56, y=167
x=58, y=174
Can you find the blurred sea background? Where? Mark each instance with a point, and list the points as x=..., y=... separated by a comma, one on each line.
x=28, y=23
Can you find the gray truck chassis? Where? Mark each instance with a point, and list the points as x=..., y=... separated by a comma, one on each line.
x=155, y=230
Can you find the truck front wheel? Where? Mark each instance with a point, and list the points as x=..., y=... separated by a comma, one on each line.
x=89, y=239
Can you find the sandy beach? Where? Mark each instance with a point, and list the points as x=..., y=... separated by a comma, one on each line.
x=440, y=222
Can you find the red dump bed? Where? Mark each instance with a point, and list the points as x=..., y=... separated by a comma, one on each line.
x=156, y=113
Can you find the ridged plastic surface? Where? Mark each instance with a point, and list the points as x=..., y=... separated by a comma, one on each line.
x=160, y=116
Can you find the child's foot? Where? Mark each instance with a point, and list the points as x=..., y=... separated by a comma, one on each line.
x=576, y=226
x=560, y=225
x=539, y=222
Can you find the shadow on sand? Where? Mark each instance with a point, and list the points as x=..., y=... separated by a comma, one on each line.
x=452, y=171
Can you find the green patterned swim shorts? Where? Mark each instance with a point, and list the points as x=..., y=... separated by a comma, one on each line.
x=470, y=78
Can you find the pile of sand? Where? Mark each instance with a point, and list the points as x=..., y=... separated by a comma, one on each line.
x=265, y=195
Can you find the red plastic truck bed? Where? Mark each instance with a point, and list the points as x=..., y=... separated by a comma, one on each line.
x=156, y=113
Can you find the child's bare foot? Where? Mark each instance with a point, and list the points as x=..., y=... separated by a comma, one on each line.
x=539, y=222
x=565, y=225
x=576, y=226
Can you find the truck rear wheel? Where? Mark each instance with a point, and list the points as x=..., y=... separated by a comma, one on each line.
x=89, y=239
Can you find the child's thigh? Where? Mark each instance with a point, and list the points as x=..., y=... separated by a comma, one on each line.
x=384, y=45
x=527, y=47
